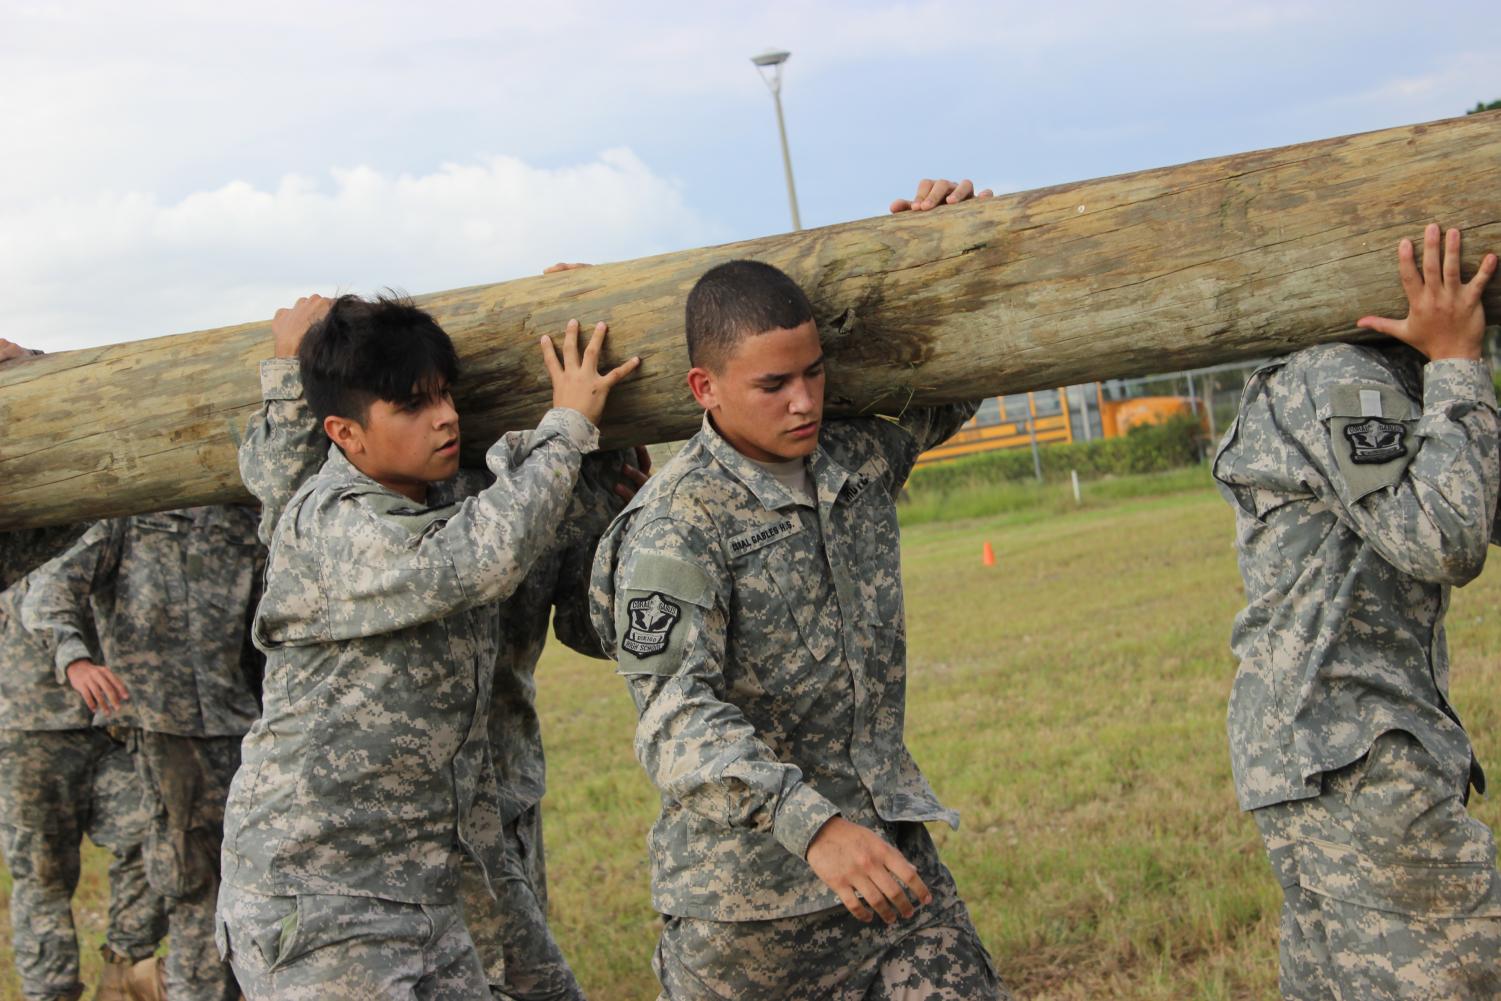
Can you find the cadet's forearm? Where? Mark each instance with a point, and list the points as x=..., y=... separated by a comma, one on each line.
x=705, y=754
x=283, y=445
x=57, y=607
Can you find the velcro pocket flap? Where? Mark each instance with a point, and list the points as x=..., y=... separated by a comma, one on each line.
x=679, y=578
x=1420, y=887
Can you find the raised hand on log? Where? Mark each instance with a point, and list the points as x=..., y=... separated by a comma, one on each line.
x=931, y=194
x=291, y=322
x=10, y=351
x=1445, y=316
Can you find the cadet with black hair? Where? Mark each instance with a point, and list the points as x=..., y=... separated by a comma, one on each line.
x=522, y=959
x=370, y=776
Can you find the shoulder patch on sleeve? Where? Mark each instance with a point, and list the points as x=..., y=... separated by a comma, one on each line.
x=1370, y=432
x=650, y=620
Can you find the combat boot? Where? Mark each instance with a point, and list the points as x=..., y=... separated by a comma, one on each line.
x=147, y=980
x=112, y=979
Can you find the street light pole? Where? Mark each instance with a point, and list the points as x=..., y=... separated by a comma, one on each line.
x=773, y=61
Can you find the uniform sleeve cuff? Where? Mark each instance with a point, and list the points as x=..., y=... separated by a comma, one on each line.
x=1455, y=380
x=574, y=426
x=68, y=651
x=800, y=815
x=281, y=379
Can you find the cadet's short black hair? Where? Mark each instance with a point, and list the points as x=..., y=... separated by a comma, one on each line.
x=366, y=350
x=739, y=299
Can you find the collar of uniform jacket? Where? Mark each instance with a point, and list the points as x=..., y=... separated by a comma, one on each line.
x=828, y=475
x=341, y=474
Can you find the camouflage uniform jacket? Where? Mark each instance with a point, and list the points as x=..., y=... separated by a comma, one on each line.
x=30, y=697
x=286, y=446
x=23, y=550
x=1364, y=486
x=764, y=643
x=370, y=770
x=558, y=584
x=172, y=593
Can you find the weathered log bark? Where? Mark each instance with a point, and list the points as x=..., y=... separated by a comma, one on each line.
x=1164, y=269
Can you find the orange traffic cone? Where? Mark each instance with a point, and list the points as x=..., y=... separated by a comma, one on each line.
x=987, y=555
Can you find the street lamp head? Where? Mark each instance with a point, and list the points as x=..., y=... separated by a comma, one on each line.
x=770, y=58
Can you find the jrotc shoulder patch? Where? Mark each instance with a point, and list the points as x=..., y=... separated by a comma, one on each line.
x=651, y=622
x=1375, y=440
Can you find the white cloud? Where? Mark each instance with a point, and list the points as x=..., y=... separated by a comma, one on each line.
x=118, y=267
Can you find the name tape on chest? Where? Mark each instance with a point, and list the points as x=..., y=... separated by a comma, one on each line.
x=763, y=535
x=651, y=623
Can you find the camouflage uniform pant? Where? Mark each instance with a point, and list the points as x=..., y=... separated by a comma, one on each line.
x=55, y=787
x=1390, y=888
x=522, y=960
x=187, y=782
x=934, y=956
x=316, y=946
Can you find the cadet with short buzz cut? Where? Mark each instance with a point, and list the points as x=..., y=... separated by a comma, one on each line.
x=173, y=593
x=1364, y=484
x=752, y=595
x=370, y=783
x=61, y=777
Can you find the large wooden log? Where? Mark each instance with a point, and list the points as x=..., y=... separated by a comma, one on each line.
x=1155, y=271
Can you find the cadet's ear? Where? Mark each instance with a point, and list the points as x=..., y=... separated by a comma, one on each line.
x=345, y=433
x=701, y=383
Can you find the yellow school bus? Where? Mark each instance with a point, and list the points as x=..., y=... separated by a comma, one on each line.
x=1066, y=414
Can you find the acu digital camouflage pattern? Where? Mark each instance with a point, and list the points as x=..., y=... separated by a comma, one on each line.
x=1391, y=887
x=55, y=787
x=60, y=780
x=1347, y=564
x=186, y=782
x=284, y=447
x=172, y=593
x=830, y=956
x=521, y=958
x=30, y=696
x=1364, y=485
x=381, y=636
x=769, y=669
x=557, y=586
x=23, y=550
x=314, y=947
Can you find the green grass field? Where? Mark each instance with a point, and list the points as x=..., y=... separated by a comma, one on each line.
x=1069, y=701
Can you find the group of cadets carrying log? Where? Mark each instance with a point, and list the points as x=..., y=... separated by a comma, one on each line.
x=381, y=835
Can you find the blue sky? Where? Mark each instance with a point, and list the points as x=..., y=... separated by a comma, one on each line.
x=173, y=166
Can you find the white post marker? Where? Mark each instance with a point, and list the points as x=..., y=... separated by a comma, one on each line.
x=1074, y=475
